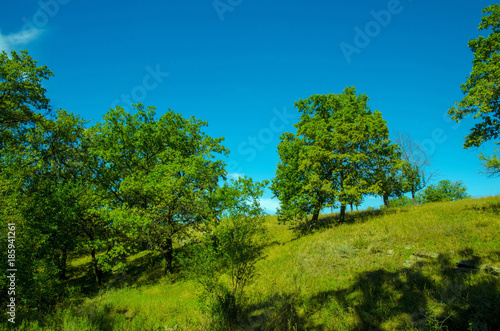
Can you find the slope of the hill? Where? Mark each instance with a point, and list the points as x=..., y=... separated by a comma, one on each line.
x=423, y=267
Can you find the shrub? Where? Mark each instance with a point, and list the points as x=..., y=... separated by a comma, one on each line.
x=445, y=190
x=400, y=202
x=224, y=263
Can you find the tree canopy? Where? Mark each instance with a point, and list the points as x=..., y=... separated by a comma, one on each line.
x=22, y=96
x=482, y=88
x=341, y=152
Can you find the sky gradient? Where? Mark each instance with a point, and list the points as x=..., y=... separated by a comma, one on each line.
x=241, y=65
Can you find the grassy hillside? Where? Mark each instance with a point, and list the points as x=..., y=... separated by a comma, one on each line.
x=381, y=270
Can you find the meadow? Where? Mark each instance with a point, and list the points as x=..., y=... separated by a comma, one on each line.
x=426, y=267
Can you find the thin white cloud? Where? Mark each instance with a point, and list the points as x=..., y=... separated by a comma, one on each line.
x=235, y=175
x=269, y=205
x=14, y=40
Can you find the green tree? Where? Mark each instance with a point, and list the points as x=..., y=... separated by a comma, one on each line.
x=22, y=96
x=338, y=135
x=157, y=175
x=387, y=170
x=289, y=185
x=445, y=190
x=231, y=247
x=482, y=89
x=42, y=168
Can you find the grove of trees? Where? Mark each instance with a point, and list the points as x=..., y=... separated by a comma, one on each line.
x=130, y=183
x=142, y=181
x=340, y=153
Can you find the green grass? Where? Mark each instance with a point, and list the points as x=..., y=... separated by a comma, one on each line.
x=381, y=270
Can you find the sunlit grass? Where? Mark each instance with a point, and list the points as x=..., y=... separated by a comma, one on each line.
x=338, y=277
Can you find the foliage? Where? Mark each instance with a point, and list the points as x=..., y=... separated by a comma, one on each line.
x=21, y=92
x=49, y=194
x=491, y=164
x=331, y=158
x=388, y=171
x=136, y=179
x=445, y=190
x=232, y=247
x=346, y=279
x=402, y=201
x=157, y=176
x=289, y=183
x=482, y=88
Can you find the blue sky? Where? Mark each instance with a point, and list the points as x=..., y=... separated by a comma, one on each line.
x=241, y=65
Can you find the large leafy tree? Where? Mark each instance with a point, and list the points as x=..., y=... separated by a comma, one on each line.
x=289, y=184
x=158, y=175
x=22, y=97
x=337, y=135
x=482, y=88
x=42, y=167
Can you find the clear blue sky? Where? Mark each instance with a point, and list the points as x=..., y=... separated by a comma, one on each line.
x=241, y=65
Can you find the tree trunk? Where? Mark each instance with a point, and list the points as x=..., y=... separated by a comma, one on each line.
x=342, y=213
x=168, y=254
x=342, y=197
x=351, y=206
x=386, y=200
x=62, y=264
x=413, y=193
x=315, y=217
x=97, y=270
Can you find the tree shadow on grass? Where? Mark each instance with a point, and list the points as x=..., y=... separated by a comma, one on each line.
x=491, y=208
x=333, y=220
x=147, y=269
x=410, y=298
x=278, y=312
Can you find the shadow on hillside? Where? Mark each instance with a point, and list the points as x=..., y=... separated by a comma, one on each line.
x=408, y=298
x=277, y=312
x=492, y=208
x=147, y=269
x=333, y=220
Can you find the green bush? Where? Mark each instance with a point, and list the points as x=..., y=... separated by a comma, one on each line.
x=400, y=202
x=445, y=190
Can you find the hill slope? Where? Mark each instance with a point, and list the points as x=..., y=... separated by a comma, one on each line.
x=423, y=267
